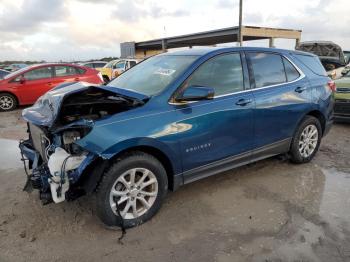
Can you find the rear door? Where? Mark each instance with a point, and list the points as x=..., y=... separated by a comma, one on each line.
x=281, y=97
x=64, y=73
x=36, y=83
x=216, y=130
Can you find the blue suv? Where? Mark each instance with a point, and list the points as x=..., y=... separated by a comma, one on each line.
x=173, y=119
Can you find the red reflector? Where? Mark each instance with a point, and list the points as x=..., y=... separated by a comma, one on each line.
x=332, y=86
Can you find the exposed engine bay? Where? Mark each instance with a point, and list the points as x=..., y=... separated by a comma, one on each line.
x=92, y=104
x=57, y=162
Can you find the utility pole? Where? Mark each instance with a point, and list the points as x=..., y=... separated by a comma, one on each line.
x=240, y=37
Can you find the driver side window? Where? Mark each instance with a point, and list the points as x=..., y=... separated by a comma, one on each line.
x=223, y=73
x=39, y=73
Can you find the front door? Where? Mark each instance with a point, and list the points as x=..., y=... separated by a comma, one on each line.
x=35, y=83
x=215, y=131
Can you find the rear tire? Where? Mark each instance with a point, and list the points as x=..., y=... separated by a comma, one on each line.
x=8, y=102
x=306, y=140
x=138, y=182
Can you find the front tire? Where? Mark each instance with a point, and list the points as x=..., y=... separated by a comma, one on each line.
x=138, y=183
x=306, y=140
x=8, y=102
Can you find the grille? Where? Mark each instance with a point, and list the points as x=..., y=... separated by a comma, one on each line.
x=343, y=90
x=342, y=106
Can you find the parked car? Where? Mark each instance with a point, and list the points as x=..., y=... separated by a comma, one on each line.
x=94, y=64
x=342, y=98
x=171, y=120
x=3, y=73
x=25, y=86
x=116, y=67
x=331, y=55
x=15, y=67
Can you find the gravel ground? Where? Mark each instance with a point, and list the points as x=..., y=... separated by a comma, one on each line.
x=268, y=211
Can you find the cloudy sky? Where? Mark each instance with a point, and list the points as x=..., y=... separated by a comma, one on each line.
x=56, y=30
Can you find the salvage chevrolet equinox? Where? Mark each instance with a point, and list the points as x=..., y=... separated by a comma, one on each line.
x=171, y=120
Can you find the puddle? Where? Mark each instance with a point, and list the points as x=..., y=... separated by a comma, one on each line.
x=335, y=204
x=10, y=155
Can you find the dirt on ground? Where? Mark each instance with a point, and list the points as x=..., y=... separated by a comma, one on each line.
x=268, y=211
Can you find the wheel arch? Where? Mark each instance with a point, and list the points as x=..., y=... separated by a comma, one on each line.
x=156, y=153
x=13, y=94
x=315, y=113
x=318, y=114
x=90, y=182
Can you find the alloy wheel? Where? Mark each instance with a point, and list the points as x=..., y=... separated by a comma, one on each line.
x=6, y=102
x=308, y=141
x=135, y=191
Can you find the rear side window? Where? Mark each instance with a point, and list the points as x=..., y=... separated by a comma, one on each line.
x=80, y=71
x=291, y=72
x=268, y=69
x=223, y=73
x=132, y=63
x=313, y=63
x=89, y=65
x=98, y=65
x=39, y=73
x=65, y=70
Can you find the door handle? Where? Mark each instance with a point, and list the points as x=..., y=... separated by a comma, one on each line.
x=243, y=102
x=76, y=79
x=49, y=83
x=300, y=89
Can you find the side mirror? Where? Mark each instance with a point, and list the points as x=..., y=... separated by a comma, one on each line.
x=22, y=80
x=196, y=93
x=19, y=79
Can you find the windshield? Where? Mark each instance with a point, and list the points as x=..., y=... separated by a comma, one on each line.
x=110, y=64
x=119, y=65
x=153, y=75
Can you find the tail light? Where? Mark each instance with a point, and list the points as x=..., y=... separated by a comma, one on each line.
x=332, y=86
x=100, y=76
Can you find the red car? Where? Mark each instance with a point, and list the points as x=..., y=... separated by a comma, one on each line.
x=26, y=85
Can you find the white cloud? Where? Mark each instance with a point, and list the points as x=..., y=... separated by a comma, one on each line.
x=83, y=29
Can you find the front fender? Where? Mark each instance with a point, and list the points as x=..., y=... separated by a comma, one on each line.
x=121, y=146
x=145, y=142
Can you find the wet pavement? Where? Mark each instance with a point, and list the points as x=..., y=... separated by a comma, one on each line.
x=268, y=211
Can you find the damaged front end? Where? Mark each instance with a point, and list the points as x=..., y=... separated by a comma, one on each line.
x=54, y=163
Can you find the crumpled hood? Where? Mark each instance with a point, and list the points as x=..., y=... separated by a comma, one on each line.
x=47, y=107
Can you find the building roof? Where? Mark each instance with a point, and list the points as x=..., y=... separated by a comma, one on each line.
x=223, y=35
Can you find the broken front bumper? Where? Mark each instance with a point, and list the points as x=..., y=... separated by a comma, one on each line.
x=56, y=187
x=31, y=161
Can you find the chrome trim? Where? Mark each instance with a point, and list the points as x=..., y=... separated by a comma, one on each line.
x=302, y=75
